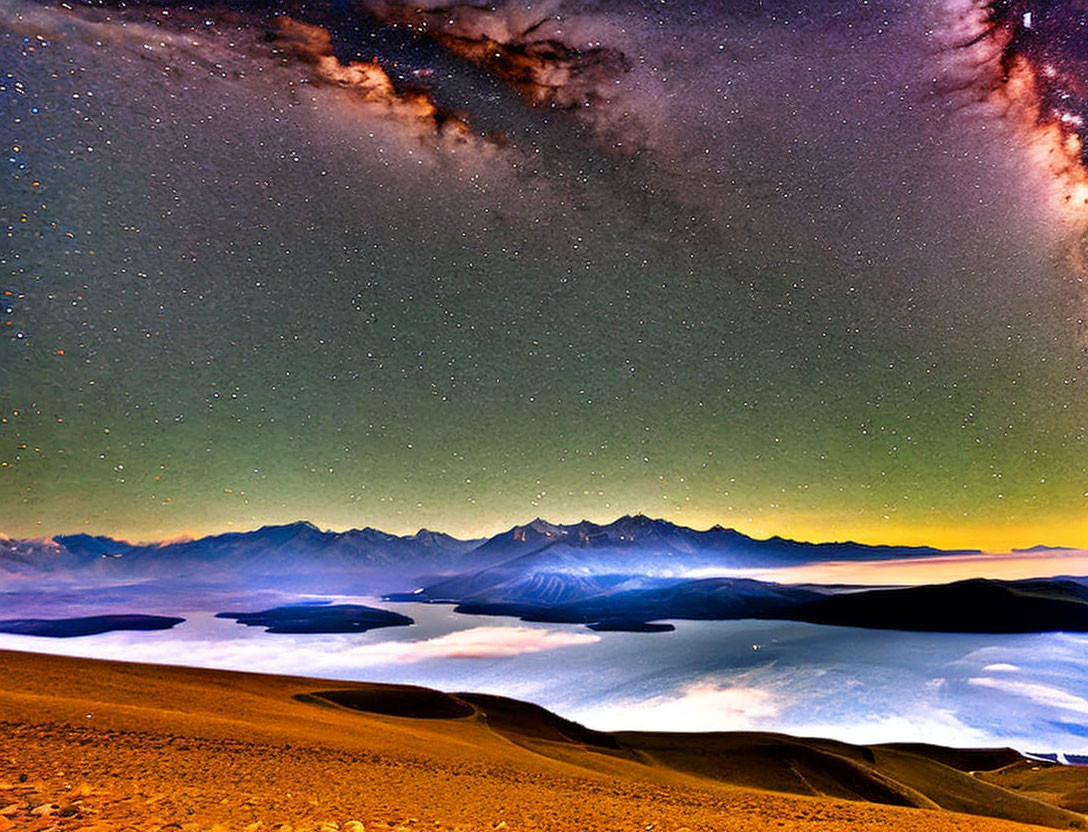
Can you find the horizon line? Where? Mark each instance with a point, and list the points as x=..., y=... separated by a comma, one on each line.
x=185, y=537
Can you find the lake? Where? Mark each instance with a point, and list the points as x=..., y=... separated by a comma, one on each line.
x=1029, y=691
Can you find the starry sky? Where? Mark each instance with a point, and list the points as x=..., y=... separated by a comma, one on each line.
x=797, y=267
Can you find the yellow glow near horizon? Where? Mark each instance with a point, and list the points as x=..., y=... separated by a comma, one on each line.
x=983, y=536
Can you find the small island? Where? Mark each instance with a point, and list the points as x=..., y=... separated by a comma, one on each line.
x=631, y=625
x=313, y=619
x=90, y=625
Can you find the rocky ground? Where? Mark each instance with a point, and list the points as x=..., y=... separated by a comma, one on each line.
x=106, y=747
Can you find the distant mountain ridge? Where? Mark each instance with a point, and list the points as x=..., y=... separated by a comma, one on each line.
x=298, y=552
x=632, y=544
x=619, y=602
x=664, y=537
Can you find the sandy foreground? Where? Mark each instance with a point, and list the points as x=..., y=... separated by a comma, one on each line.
x=106, y=746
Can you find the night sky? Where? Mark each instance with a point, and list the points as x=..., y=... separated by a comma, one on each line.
x=812, y=268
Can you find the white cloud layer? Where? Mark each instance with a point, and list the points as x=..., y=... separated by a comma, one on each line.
x=309, y=654
x=701, y=706
x=1038, y=694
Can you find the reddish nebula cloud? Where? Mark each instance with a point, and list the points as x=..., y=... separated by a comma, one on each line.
x=313, y=46
x=524, y=49
x=1034, y=61
x=1052, y=37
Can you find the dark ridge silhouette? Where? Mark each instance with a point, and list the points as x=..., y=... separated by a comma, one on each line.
x=403, y=701
x=307, y=618
x=86, y=626
x=978, y=605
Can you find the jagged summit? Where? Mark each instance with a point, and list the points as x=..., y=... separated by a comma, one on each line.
x=540, y=526
x=297, y=527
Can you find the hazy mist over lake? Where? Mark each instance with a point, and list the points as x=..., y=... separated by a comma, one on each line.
x=1029, y=691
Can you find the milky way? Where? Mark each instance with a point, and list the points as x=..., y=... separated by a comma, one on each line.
x=1053, y=38
x=805, y=268
x=1031, y=62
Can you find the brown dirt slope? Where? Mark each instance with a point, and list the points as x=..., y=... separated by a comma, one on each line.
x=93, y=746
x=880, y=774
x=1064, y=786
x=964, y=759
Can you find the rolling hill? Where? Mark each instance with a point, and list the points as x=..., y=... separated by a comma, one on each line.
x=99, y=746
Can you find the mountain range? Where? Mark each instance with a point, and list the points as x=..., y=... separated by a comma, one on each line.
x=635, y=574
x=373, y=559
